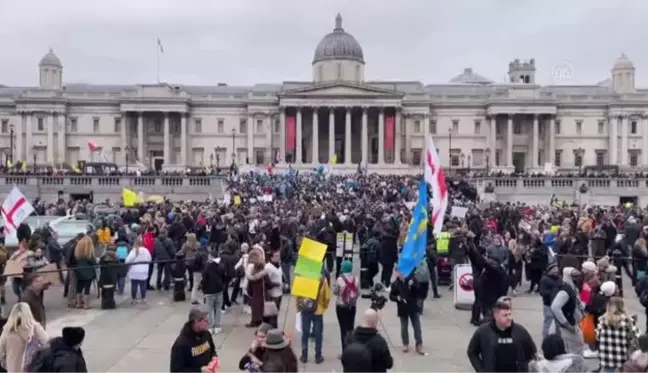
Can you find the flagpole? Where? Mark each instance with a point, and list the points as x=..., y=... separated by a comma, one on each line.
x=157, y=54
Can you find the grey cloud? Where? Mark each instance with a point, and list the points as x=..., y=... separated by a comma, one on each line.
x=252, y=41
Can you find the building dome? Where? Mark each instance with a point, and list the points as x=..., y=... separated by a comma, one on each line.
x=50, y=59
x=470, y=77
x=339, y=45
x=623, y=63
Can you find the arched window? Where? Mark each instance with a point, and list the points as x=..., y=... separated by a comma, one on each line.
x=339, y=71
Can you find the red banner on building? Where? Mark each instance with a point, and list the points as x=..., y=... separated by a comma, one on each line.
x=389, y=132
x=291, y=133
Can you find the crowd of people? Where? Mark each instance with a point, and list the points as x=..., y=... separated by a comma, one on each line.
x=241, y=249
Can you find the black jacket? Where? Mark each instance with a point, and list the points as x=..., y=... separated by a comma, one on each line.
x=66, y=358
x=483, y=344
x=213, y=277
x=164, y=247
x=258, y=353
x=407, y=296
x=191, y=351
x=381, y=359
x=548, y=288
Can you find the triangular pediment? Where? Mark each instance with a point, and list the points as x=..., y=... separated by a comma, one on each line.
x=340, y=89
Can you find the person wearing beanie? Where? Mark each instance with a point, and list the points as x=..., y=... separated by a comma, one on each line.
x=65, y=352
x=556, y=359
x=347, y=290
x=549, y=284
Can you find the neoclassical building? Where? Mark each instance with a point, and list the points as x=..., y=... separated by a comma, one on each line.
x=338, y=115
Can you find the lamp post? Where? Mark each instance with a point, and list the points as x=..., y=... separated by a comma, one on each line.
x=127, y=155
x=211, y=160
x=34, y=155
x=11, y=143
x=218, y=150
x=463, y=158
x=487, y=160
x=233, y=145
x=450, y=148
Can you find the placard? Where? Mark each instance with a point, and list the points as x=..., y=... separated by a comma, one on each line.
x=52, y=275
x=339, y=245
x=464, y=295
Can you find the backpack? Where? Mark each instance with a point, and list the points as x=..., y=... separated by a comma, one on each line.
x=356, y=357
x=307, y=304
x=349, y=295
x=121, y=252
x=42, y=361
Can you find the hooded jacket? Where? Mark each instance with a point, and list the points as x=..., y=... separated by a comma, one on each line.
x=66, y=358
x=565, y=363
x=164, y=247
x=381, y=359
x=191, y=350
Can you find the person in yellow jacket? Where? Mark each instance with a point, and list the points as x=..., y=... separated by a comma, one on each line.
x=104, y=235
x=312, y=314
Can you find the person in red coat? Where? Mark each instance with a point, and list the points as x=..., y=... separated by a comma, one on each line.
x=148, y=239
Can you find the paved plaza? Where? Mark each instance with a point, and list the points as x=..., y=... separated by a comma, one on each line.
x=139, y=338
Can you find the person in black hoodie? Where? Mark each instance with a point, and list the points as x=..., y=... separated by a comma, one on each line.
x=488, y=270
x=407, y=292
x=501, y=345
x=366, y=350
x=194, y=348
x=212, y=284
x=549, y=284
x=66, y=351
x=164, y=253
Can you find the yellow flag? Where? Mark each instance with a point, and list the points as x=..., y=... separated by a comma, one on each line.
x=237, y=200
x=9, y=164
x=24, y=166
x=129, y=198
x=76, y=170
x=334, y=159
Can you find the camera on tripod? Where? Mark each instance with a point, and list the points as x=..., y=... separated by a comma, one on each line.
x=378, y=300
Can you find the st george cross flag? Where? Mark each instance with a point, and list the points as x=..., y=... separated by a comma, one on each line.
x=435, y=176
x=15, y=209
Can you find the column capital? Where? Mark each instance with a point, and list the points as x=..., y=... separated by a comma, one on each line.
x=332, y=110
x=535, y=117
x=381, y=110
x=348, y=109
x=510, y=116
x=364, y=109
x=298, y=109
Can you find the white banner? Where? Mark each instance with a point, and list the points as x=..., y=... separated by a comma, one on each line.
x=15, y=209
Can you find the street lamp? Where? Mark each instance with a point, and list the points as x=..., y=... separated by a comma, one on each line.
x=487, y=160
x=579, y=154
x=127, y=150
x=233, y=145
x=211, y=160
x=450, y=147
x=34, y=149
x=463, y=158
x=11, y=143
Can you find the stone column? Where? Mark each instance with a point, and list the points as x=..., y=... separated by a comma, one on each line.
x=509, y=141
x=613, y=142
x=644, y=133
x=397, y=134
x=535, y=139
x=60, y=124
x=331, y=133
x=493, y=139
x=381, y=136
x=347, y=137
x=49, y=127
x=365, y=137
x=123, y=133
x=140, y=137
x=624, y=141
x=408, y=140
x=269, y=135
x=167, y=141
x=552, y=141
x=298, y=137
x=315, y=156
x=250, y=137
x=29, y=140
x=282, y=134
x=18, y=132
x=183, y=140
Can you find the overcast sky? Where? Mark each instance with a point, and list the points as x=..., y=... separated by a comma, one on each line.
x=262, y=41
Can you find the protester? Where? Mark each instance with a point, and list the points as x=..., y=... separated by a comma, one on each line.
x=549, y=285
x=555, y=359
x=194, y=348
x=138, y=259
x=21, y=336
x=33, y=296
x=66, y=352
x=617, y=335
x=366, y=350
x=568, y=310
x=212, y=281
x=312, y=315
x=406, y=292
x=278, y=355
x=84, y=271
x=346, y=289
x=255, y=274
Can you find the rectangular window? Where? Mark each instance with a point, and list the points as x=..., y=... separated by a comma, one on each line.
x=601, y=127
x=455, y=155
x=259, y=126
x=477, y=127
x=73, y=125
x=157, y=127
x=417, y=126
x=633, y=127
x=416, y=156
x=579, y=127
x=221, y=125
x=634, y=158
x=455, y=126
x=557, y=127
x=197, y=125
x=40, y=124
x=578, y=159
x=5, y=125
x=517, y=128
x=558, y=158
x=433, y=126
x=118, y=125
x=95, y=124
x=600, y=157
x=243, y=126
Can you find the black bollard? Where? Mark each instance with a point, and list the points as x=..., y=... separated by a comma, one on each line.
x=179, y=294
x=108, y=297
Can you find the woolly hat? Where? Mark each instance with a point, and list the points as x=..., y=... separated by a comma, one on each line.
x=346, y=267
x=608, y=288
x=73, y=335
x=589, y=266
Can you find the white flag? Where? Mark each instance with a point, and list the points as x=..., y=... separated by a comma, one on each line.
x=15, y=209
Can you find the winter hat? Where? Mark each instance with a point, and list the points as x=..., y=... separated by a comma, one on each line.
x=553, y=346
x=73, y=335
x=346, y=266
x=589, y=267
x=608, y=288
x=275, y=340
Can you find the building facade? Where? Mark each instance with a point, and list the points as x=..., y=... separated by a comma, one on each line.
x=476, y=123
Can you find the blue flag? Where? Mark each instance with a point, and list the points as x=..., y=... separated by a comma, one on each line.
x=416, y=242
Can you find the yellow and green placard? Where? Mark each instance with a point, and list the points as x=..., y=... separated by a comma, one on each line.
x=308, y=270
